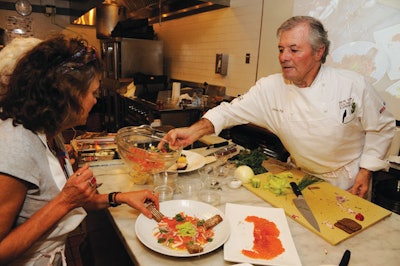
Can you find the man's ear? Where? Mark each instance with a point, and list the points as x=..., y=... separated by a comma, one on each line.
x=319, y=53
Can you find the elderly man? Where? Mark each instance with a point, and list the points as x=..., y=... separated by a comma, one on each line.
x=332, y=122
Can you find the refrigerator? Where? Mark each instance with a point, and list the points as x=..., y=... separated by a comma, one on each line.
x=122, y=59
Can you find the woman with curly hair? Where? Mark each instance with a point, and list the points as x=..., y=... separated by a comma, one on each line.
x=52, y=88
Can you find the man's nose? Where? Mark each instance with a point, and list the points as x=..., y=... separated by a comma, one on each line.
x=284, y=56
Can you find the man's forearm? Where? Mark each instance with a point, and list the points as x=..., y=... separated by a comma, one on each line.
x=202, y=127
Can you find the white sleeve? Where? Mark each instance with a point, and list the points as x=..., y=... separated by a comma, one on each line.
x=379, y=125
x=250, y=107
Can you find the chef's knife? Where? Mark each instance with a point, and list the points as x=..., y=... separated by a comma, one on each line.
x=303, y=207
x=231, y=148
x=217, y=145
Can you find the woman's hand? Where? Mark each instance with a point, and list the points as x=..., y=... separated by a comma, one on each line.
x=80, y=188
x=137, y=199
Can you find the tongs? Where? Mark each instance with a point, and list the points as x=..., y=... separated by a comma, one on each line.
x=154, y=132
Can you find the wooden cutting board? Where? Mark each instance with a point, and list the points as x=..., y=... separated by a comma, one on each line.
x=211, y=139
x=328, y=203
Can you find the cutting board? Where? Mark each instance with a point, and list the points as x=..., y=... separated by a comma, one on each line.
x=328, y=203
x=211, y=139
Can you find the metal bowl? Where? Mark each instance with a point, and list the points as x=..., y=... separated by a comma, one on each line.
x=138, y=147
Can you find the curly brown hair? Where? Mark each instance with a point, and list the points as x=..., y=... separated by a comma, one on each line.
x=48, y=83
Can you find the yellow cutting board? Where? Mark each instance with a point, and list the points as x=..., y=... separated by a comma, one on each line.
x=327, y=202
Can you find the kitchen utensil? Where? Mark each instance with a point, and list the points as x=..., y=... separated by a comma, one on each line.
x=209, y=196
x=168, y=178
x=345, y=259
x=217, y=145
x=144, y=227
x=327, y=206
x=23, y=7
x=189, y=187
x=165, y=192
x=157, y=215
x=107, y=17
x=227, y=150
x=243, y=236
x=195, y=161
x=137, y=146
x=303, y=207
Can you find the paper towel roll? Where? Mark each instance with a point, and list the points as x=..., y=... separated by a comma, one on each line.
x=176, y=91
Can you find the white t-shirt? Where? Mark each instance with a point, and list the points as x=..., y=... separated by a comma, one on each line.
x=26, y=156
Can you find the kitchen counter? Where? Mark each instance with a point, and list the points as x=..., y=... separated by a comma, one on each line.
x=377, y=245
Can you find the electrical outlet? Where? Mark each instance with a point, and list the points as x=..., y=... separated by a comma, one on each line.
x=50, y=10
x=247, y=58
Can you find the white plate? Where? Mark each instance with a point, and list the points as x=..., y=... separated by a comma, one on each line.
x=144, y=227
x=195, y=161
x=242, y=235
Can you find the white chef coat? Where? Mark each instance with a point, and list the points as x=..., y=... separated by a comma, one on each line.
x=330, y=129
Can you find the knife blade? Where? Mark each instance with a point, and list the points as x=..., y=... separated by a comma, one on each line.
x=345, y=259
x=217, y=145
x=303, y=207
x=231, y=148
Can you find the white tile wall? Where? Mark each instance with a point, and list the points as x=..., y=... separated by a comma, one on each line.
x=191, y=43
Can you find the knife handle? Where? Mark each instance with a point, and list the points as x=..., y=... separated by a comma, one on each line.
x=345, y=259
x=295, y=189
x=217, y=145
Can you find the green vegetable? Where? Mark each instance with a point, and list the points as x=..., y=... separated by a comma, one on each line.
x=200, y=223
x=279, y=184
x=255, y=182
x=252, y=158
x=186, y=229
x=308, y=180
x=179, y=218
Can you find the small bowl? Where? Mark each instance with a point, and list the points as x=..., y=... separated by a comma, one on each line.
x=234, y=183
x=164, y=192
x=188, y=187
x=209, y=196
x=169, y=178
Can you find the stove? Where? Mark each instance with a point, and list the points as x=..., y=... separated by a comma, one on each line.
x=138, y=111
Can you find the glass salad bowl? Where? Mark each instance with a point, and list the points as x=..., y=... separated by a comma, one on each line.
x=138, y=147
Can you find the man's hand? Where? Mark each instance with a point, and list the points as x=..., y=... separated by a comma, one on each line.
x=361, y=184
x=182, y=137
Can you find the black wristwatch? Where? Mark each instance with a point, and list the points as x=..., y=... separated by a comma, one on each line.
x=111, y=199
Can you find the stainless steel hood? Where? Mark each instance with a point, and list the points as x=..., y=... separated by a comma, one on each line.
x=154, y=10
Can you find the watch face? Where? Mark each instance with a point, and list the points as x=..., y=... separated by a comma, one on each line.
x=23, y=7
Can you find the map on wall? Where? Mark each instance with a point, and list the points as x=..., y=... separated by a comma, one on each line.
x=365, y=37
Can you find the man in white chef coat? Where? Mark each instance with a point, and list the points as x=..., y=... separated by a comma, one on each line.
x=332, y=121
